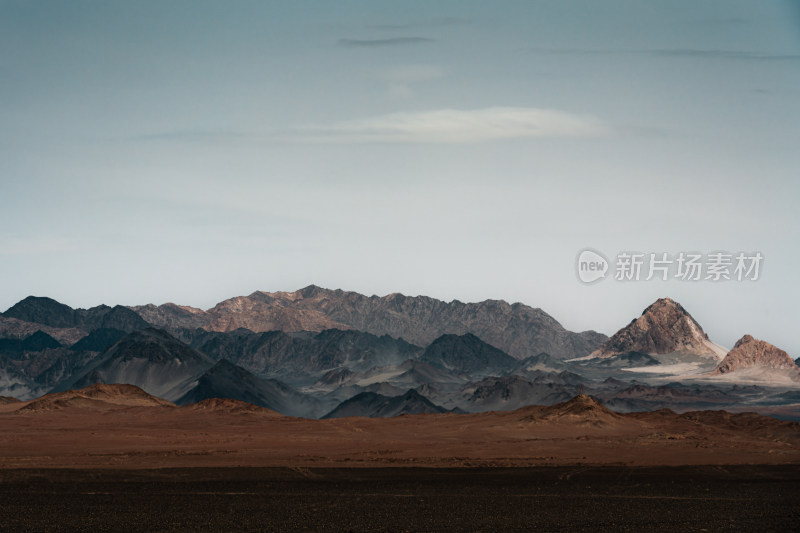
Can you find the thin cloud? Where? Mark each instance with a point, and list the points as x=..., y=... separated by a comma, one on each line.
x=401, y=79
x=456, y=126
x=674, y=52
x=185, y=135
x=722, y=54
x=437, y=22
x=391, y=41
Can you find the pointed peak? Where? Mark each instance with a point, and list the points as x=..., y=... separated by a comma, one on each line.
x=310, y=291
x=663, y=327
x=746, y=339
x=580, y=409
x=751, y=352
x=584, y=400
x=664, y=303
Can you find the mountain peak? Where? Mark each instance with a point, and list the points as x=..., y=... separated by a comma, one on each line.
x=664, y=304
x=42, y=310
x=516, y=329
x=310, y=291
x=750, y=352
x=467, y=353
x=746, y=339
x=663, y=327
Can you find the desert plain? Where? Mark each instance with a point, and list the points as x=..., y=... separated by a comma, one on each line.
x=112, y=458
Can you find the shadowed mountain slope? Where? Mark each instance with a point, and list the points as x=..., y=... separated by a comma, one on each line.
x=372, y=405
x=226, y=380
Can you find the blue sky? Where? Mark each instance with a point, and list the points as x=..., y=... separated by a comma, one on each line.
x=193, y=151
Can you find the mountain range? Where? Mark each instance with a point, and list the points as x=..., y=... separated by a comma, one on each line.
x=517, y=329
x=318, y=352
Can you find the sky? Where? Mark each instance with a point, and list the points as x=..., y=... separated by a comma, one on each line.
x=189, y=152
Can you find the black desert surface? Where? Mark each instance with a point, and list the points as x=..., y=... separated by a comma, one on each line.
x=556, y=498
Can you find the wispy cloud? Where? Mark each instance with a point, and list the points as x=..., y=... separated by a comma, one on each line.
x=401, y=79
x=674, y=52
x=456, y=126
x=436, y=22
x=391, y=41
x=191, y=135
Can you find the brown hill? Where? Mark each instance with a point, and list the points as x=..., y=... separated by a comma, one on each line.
x=749, y=352
x=226, y=405
x=98, y=396
x=580, y=410
x=579, y=431
x=7, y=399
x=664, y=327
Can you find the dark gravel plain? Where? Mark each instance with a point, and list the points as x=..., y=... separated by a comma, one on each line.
x=579, y=498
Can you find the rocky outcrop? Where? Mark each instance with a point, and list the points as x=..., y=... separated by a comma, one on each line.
x=749, y=352
x=664, y=327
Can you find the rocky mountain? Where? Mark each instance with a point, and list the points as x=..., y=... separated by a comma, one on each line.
x=150, y=359
x=42, y=310
x=372, y=405
x=13, y=382
x=513, y=392
x=750, y=354
x=171, y=316
x=391, y=380
x=643, y=397
x=517, y=329
x=226, y=380
x=467, y=354
x=99, y=340
x=413, y=373
x=664, y=327
x=308, y=373
x=258, y=312
x=304, y=358
x=32, y=366
x=35, y=342
x=49, y=312
x=542, y=362
x=56, y=366
x=12, y=328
